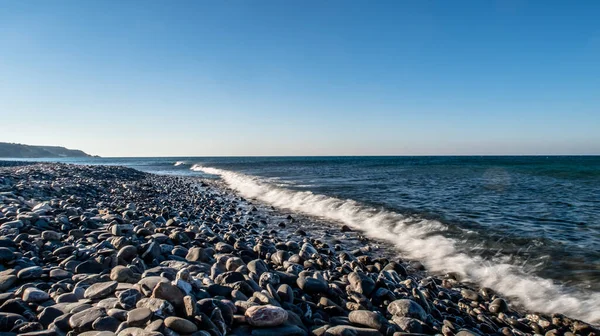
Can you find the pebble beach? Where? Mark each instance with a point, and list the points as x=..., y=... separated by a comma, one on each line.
x=106, y=250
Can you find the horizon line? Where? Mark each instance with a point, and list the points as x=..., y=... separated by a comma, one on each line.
x=329, y=155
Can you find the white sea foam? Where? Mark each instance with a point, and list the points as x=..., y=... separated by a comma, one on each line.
x=179, y=163
x=419, y=239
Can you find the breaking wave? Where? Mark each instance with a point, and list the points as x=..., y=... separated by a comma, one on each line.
x=421, y=239
x=179, y=163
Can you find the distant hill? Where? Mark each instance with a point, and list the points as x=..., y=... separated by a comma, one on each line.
x=12, y=150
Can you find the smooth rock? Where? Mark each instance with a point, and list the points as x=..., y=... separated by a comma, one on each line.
x=407, y=308
x=266, y=316
x=83, y=320
x=180, y=325
x=29, y=273
x=32, y=294
x=139, y=316
x=100, y=290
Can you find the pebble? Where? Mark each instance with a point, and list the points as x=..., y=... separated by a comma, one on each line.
x=114, y=251
x=180, y=325
x=266, y=316
x=498, y=306
x=100, y=290
x=30, y=273
x=83, y=320
x=407, y=308
x=138, y=316
x=32, y=294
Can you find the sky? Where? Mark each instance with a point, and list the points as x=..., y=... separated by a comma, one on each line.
x=220, y=78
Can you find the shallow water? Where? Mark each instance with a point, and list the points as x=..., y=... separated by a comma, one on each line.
x=527, y=226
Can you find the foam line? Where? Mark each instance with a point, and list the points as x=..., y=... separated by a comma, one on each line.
x=420, y=239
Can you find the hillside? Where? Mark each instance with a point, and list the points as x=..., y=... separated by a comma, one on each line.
x=12, y=150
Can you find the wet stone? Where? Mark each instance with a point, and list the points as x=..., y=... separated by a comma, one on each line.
x=470, y=294
x=498, y=306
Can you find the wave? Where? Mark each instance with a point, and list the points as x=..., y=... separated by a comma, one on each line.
x=419, y=239
x=180, y=163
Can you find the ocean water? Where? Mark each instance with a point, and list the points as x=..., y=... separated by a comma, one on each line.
x=528, y=227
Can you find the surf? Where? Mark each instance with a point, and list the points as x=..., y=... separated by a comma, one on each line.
x=420, y=239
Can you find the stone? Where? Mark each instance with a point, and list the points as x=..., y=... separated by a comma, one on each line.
x=147, y=284
x=258, y=266
x=8, y=320
x=62, y=322
x=32, y=294
x=51, y=235
x=60, y=274
x=129, y=298
x=6, y=255
x=122, y=274
x=470, y=294
x=6, y=282
x=190, y=305
x=345, y=330
x=180, y=325
x=108, y=303
x=29, y=273
x=119, y=314
x=48, y=315
x=89, y=267
x=100, y=290
x=106, y=323
x=83, y=320
x=283, y=330
x=13, y=224
x=266, y=316
x=139, y=316
x=408, y=324
x=369, y=319
x=166, y=291
x=407, y=308
x=498, y=306
x=361, y=283
x=127, y=253
x=137, y=332
x=66, y=297
x=312, y=285
x=197, y=254
x=161, y=308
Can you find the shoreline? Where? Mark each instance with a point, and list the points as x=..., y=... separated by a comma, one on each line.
x=335, y=277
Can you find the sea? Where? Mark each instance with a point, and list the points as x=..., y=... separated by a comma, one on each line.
x=526, y=226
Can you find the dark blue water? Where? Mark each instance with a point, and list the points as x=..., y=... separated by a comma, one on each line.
x=542, y=211
x=541, y=214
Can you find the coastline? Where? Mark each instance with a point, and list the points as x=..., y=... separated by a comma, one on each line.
x=324, y=279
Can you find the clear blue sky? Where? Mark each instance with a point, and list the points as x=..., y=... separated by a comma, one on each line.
x=162, y=78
